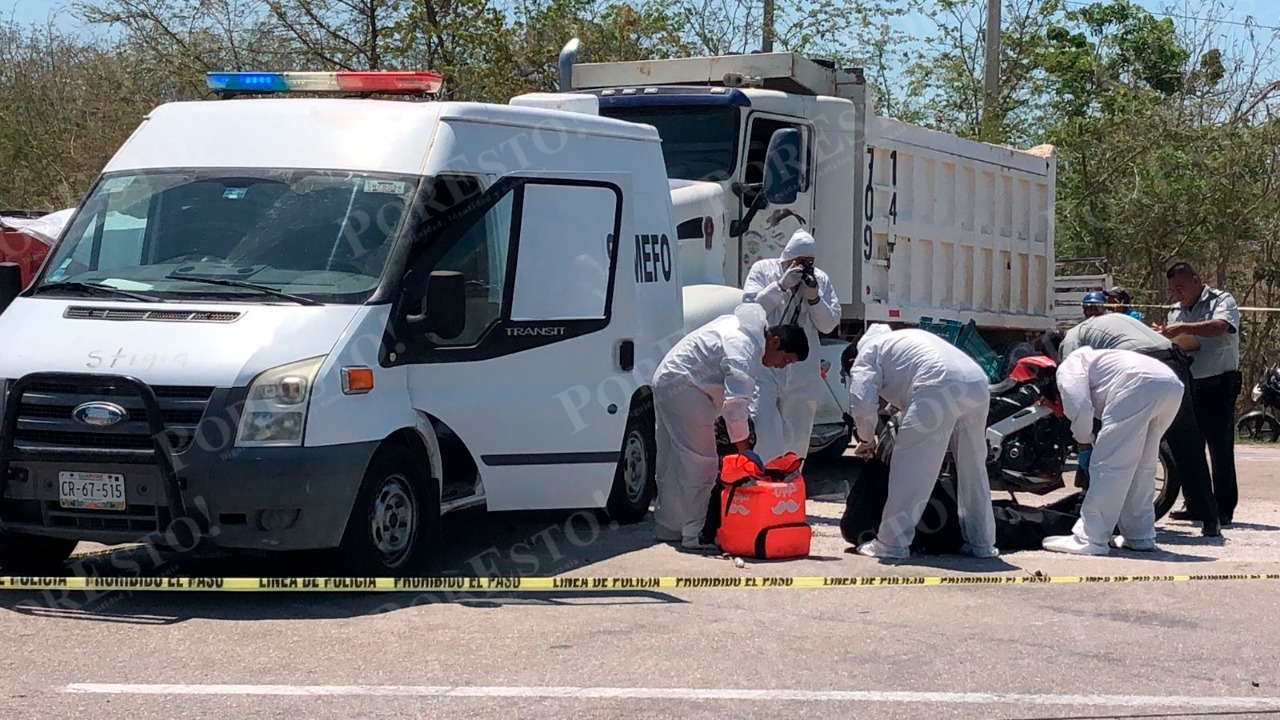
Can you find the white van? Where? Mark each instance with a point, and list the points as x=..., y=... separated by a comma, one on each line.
x=302, y=323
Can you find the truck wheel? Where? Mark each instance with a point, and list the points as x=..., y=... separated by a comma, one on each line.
x=31, y=555
x=1167, y=491
x=635, y=479
x=395, y=522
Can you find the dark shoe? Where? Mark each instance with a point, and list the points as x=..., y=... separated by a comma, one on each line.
x=1180, y=515
x=1211, y=528
x=1224, y=520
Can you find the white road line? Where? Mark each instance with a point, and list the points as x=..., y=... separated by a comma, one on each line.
x=686, y=694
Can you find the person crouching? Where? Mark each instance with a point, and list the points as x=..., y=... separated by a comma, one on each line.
x=710, y=373
x=1137, y=398
x=942, y=393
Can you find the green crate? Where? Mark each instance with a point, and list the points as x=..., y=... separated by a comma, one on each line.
x=965, y=336
x=948, y=330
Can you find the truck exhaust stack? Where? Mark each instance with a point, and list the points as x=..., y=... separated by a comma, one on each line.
x=568, y=56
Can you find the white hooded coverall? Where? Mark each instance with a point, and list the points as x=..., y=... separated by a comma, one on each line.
x=709, y=373
x=1137, y=398
x=941, y=392
x=787, y=398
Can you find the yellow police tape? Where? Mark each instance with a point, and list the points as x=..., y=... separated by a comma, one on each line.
x=541, y=584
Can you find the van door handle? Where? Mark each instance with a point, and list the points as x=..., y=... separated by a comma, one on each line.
x=627, y=355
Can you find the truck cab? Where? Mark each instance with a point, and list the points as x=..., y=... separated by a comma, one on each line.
x=285, y=323
x=718, y=132
x=911, y=223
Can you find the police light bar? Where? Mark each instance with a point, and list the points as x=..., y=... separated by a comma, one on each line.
x=379, y=81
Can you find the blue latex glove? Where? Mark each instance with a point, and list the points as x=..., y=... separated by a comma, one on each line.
x=1083, y=458
x=754, y=456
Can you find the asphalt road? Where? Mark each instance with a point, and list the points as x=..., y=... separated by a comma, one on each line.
x=1182, y=649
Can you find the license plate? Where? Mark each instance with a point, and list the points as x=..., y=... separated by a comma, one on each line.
x=91, y=491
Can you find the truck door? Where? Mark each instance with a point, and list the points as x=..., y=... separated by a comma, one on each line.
x=520, y=384
x=772, y=227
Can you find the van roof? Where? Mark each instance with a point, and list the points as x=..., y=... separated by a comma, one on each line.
x=358, y=134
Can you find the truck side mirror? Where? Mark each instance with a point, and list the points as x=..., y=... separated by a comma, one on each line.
x=782, y=167
x=10, y=284
x=444, y=306
x=781, y=177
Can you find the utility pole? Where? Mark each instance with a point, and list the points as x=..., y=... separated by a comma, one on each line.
x=991, y=74
x=766, y=29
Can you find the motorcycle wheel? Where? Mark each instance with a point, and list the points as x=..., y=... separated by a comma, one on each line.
x=1257, y=426
x=1168, y=481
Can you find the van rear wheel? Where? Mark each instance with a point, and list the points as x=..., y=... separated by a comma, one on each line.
x=635, y=479
x=31, y=555
x=394, y=524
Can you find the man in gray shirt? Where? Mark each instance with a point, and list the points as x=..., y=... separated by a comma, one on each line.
x=1212, y=317
x=1120, y=331
x=1114, y=331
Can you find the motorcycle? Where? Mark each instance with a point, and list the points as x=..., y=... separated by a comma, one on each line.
x=1264, y=423
x=1029, y=441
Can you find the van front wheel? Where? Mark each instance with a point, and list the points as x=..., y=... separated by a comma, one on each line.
x=394, y=524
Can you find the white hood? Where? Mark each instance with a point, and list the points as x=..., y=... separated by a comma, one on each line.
x=695, y=192
x=691, y=200
x=166, y=352
x=47, y=228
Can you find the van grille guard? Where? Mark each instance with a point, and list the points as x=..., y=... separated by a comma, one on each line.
x=161, y=452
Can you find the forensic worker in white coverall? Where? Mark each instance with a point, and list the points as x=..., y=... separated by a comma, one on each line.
x=791, y=291
x=710, y=373
x=1136, y=398
x=942, y=394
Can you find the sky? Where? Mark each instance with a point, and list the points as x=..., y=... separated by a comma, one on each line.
x=1263, y=12
x=26, y=12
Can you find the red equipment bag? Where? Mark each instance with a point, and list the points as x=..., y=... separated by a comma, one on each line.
x=762, y=509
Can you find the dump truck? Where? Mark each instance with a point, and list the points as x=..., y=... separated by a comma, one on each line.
x=911, y=223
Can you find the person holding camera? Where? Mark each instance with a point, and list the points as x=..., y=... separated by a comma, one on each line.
x=792, y=292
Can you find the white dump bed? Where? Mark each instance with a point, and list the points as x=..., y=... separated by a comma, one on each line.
x=955, y=229
x=782, y=71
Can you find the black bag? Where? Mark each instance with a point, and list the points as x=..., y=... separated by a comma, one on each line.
x=1018, y=527
x=937, y=532
x=1021, y=527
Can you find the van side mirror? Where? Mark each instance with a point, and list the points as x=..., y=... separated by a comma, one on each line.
x=782, y=167
x=444, y=305
x=10, y=284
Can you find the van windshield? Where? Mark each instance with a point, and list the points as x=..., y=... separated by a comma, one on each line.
x=698, y=143
x=320, y=235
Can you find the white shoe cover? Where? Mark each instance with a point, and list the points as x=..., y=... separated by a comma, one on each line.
x=1122, y=543
x=877, y=549
x=1070, y=544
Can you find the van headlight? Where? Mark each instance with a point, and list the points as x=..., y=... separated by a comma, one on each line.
x=275, y=411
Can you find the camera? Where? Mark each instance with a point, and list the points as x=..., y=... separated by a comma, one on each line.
x=807, y=275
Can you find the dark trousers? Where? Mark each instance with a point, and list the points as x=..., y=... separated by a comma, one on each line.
x=1186, y=443
x=1215, y=410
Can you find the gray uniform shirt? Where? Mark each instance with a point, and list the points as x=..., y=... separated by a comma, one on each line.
x=1113, y=331
x=1216, y=355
